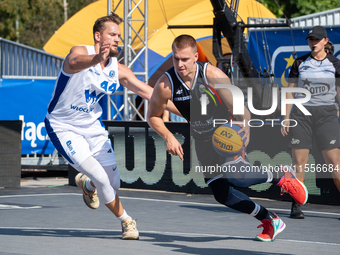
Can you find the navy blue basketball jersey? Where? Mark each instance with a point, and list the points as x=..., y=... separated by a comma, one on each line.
x=188, y=102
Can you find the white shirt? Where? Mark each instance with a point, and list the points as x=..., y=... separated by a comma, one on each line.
x=75, y=101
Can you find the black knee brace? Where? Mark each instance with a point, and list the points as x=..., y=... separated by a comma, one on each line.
x=220, y=188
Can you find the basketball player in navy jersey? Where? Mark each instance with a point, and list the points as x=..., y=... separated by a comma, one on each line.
x=72, y=120
x=319, y=72
x=184, y=84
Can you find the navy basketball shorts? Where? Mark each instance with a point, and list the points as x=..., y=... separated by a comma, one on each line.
x=323, y=125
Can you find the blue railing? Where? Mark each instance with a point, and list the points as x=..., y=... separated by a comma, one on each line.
x=18, y=61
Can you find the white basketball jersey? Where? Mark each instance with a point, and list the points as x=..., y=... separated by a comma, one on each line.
x=75, y=100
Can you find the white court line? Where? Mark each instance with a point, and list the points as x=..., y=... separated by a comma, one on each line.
x=165, y=233
x=41, y=195
x=195, y=203
x=11, y=207
x=164, y=201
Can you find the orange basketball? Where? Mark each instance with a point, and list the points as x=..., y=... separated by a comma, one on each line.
x=226, y=141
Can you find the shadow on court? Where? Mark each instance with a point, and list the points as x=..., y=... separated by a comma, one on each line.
x=50, y=218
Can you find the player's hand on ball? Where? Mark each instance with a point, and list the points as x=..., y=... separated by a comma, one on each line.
x=246, y=134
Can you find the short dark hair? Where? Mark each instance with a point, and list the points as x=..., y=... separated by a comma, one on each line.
x=99, y=25
x=184, y=41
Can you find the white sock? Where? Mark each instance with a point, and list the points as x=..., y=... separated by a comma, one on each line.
x=256, y=210
x=124, y=216
x=88, y=185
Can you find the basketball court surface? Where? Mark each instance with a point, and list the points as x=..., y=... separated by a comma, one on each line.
x=47, y=216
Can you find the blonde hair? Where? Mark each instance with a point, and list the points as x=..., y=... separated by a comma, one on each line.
x=184, y=41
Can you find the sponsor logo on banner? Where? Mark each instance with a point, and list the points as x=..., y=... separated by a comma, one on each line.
x=282, y=61
x=31, y=132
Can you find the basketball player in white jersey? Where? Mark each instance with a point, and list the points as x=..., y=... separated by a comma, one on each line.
x=72, y=120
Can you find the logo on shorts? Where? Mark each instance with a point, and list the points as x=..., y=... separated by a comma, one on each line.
x=69, y=146
x=332, y=142
x=109, y=151
x=295, y=141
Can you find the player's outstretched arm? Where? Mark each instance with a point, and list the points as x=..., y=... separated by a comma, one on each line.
x=78, y=59
x=157, y=104
x=130, y=81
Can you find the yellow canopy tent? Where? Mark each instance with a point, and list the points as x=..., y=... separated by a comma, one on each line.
x=78, y=29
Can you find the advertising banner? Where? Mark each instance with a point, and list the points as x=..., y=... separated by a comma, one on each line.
x=273, y=50
x=144, y=163
x=27, y=100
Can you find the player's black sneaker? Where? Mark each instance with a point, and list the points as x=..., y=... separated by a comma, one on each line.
x=296, y=212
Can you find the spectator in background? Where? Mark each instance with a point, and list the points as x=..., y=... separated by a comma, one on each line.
x=309, y=72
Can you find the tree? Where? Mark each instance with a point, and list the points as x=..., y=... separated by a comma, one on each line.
x=296, y=8
x=313, y=6
x=45, y=18
x=12, y=12
x=33, y=22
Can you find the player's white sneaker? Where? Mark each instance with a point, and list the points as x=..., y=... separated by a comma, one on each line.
x=90, y=197
x=129, y=229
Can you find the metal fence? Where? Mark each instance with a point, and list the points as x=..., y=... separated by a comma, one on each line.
x=18, y=61
x=325, y=18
